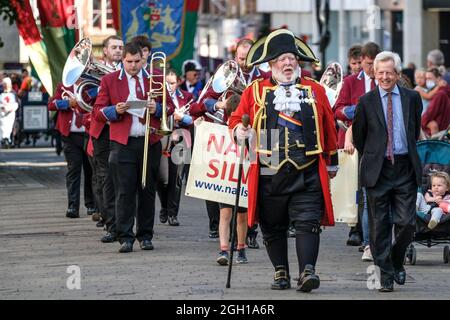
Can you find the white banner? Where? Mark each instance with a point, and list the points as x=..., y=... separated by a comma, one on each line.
x=344, y=187
x=213, y=174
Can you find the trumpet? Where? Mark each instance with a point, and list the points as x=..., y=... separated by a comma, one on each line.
x=156, y=89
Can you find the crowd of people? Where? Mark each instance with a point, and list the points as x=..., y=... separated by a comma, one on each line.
x=380, y=112
x=14, y=91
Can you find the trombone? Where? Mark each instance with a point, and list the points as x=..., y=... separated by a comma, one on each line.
x=156, y=89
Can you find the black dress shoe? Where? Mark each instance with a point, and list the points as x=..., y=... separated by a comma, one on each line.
x=213, y=234
x=252, y=243
x=126, y=247
x=173, y=221
x=91, y=211
x=281, y=281
x=146, y=245
x=308, y=280
x=163, y=218
x=354, y=240
x=108, y=238
x=72, y=213
x=100, y=223
x=400, y=277
x=387, y=286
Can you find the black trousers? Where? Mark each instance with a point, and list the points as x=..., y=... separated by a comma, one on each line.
x=251, y=231
x=304, y=207
x=280, y=204
x=396, y=188
x=170, y=183
x=77, y=159
x=93, y=180
x=126, y=164
x=105, y=187
x=213, y=214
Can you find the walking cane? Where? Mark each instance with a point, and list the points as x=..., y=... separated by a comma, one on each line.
x=245, y=123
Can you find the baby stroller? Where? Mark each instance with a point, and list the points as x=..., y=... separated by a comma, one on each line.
x=435, y=155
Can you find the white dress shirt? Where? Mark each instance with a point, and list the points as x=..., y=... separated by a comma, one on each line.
x=367, y=81
x=73, y=127
x=137, y=129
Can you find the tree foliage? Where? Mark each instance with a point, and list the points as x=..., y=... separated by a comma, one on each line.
x=7, y=13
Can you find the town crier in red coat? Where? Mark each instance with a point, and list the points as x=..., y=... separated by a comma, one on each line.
x=127, y=135
x=295, y=143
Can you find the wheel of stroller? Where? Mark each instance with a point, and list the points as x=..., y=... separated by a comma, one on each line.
x=413, y=255
x=446, y=254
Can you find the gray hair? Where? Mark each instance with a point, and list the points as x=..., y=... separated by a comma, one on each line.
x=436, y=57
x=386, y=56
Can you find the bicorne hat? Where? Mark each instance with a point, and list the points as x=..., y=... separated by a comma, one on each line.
x=277, y=43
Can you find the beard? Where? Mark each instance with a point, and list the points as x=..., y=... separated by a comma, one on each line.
x=278, y=75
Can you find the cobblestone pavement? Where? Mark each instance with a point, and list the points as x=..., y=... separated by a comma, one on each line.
x=38, y=244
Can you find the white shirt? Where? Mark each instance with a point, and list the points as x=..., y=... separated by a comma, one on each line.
x=137, y=129
x=367, y=81
x=190, y=87
x=174, y=97
x=247, y=80
x=73, y=127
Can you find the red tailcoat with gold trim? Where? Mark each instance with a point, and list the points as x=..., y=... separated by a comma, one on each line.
x=253, y=99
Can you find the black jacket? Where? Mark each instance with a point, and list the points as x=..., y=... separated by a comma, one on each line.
x=370, y=133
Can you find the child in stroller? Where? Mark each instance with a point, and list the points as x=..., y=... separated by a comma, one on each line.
x=436, y=201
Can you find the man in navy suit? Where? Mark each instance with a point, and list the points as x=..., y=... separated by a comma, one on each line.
x=385, y=129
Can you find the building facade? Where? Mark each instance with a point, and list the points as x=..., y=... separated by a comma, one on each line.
x=409, y=27
x=220, y=25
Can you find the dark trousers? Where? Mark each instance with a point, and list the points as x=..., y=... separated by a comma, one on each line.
x=105, y=187
x=396, y=188
x=213, y=214
x=169, y=187
x=126, y=164
x=303, y=206
x=251, y=231
x=77, y=158
x=93, y=181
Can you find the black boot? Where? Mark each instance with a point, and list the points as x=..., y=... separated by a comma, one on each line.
x=282, y=280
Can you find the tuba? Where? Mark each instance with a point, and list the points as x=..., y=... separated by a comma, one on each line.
x=156, y=89
x=83, y=72
x=227, y=79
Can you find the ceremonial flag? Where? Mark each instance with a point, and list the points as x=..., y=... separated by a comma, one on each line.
x=58, y=21
x=169, y=24
x=35, y=47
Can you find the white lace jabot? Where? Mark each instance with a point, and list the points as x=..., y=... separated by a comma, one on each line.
x=287, y=103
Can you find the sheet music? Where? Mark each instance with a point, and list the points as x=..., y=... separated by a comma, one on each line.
x=137, y=106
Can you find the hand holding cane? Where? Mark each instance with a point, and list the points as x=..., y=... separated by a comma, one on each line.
x=245, y=123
